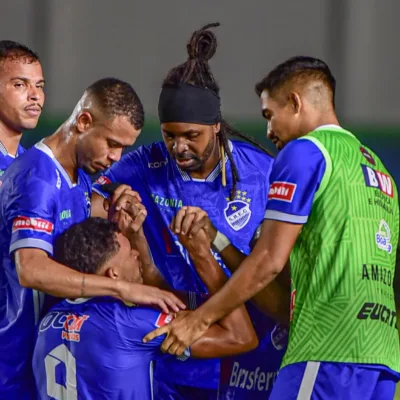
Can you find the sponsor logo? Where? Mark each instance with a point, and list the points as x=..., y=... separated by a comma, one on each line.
x=163, y=319
x=382, y=237
x=34, y=224
x=279, y=337
x=70, y=324
x=282, y=191
x=378, y=312
x=65, y=214
x=251, y=379
x=367, y=156
x=378, y=180
x=378, y=273
x=103, y=180
x=158, y=164
x=237, y=211
x=58, y=183
x=167, y=202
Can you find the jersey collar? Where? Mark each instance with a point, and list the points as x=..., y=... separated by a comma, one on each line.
x=333, y=127
x=46, y=149
x=79, y=300
x=4, y=151
x=213, y=174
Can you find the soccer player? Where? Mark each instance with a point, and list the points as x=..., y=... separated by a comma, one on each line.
x=97, y=342
x=333, y=206
x=196, y=165
x=21, y=97
x=45, y=191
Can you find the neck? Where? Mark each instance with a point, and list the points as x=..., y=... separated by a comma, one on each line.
x=329, y=118
x=63, y=146
x=9, y=138
x=209, y=165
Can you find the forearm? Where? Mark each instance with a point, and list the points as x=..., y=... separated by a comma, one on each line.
x=235, y=324
x=209, y=270
x=44, y=274
x=244, y=284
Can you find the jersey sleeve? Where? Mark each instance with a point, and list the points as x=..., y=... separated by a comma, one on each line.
x=125, y=171
x=295, y=178
x=144, y=321
x=31, y=214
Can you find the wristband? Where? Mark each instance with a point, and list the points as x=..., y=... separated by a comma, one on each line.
x=221, y=242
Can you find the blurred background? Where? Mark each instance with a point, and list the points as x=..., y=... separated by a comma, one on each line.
x=80, y=41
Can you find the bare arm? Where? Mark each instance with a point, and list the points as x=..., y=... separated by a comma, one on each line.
x=38, y=271
x=274, y=299
x=233, y=334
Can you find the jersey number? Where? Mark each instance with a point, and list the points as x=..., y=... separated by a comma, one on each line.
x=61, y=354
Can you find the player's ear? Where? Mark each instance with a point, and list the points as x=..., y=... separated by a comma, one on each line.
x=295, y=102
x=112, y=273
x=217, y=127
x=84, y=121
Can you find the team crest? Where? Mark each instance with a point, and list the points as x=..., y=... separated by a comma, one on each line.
x=237, y=212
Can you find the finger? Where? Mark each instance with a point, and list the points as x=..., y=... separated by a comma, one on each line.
x=106, y=204
x=139, y=220
x=181, y=349
x=118, y=192
x=172, y=224
x=178, y=219
x=156, y=333
x=173, y=301
x=125, y=201
x=167, y=343
x=187, y=222
x=200, y=222
x=174, y=348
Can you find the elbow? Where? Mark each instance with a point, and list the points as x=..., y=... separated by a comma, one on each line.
x=25, y=271
x=245, y=343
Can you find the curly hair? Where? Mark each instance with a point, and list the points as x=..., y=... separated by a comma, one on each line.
x=118, y=98
x=87, y=246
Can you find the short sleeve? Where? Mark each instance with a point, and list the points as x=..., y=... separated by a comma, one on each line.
x=125, y=171
x=295, y=179
x=31, y=213
x=143, y=321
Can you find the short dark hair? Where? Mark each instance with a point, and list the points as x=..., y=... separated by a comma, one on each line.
x=196, y=71
x=118, y=98
x=297, y=68
x=87, y=246
x=15, y=50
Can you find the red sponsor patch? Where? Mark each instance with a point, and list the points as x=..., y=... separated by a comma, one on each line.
x=34, y=224
x=72, y=326
x=367, y=155
x=283, y=191
x=163, y=319
x=103, y=180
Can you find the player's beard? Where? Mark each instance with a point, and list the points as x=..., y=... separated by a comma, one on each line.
x=199, y=161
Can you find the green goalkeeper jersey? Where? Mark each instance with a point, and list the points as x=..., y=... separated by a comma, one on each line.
x=343, y=262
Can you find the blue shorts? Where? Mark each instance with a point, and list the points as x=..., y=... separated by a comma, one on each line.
x=171, y=391
x=324, y=381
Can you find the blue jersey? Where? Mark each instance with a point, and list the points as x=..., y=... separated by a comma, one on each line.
x=6, y=159
x=164, y=189
x=93, y=349
x=37, y=203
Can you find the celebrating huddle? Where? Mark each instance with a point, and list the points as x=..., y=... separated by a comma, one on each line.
x=198, y=267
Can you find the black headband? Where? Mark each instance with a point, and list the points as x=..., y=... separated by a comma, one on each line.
x=188, y=103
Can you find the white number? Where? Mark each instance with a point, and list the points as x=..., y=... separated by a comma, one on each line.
x=61, y=354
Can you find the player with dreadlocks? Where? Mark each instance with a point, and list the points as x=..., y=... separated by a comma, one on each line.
x=196, y=165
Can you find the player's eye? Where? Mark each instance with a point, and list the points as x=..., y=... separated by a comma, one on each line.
x=193, y=136
x=113, y=144
x=168, y=136
x=40, y=87
x=19, y=85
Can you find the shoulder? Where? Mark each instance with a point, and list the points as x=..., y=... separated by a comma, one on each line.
x=300, y=152
x=156, y=152
x=34, y=166
x=247, y=152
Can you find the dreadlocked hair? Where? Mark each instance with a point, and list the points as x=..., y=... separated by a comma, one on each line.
x=196, y=71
